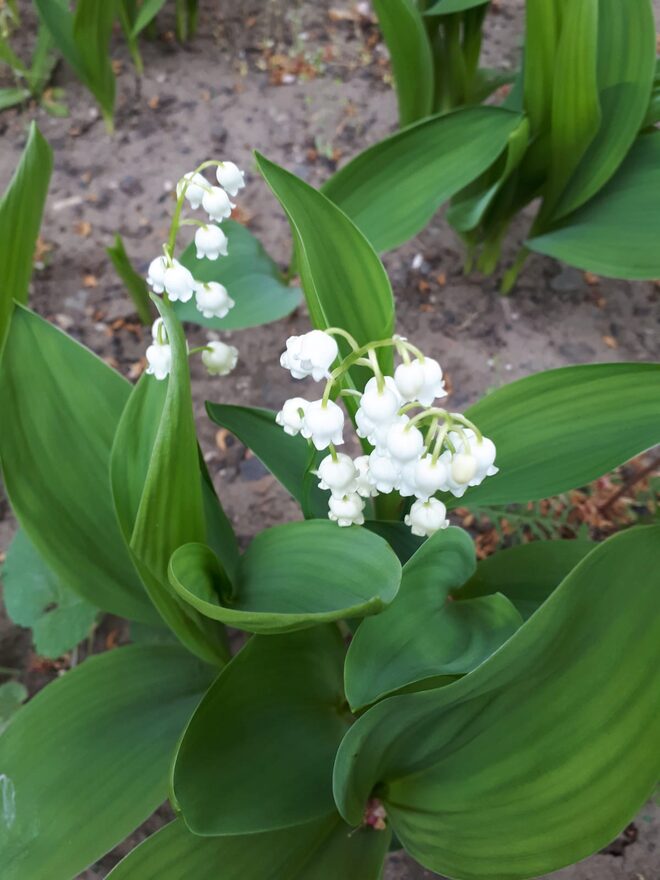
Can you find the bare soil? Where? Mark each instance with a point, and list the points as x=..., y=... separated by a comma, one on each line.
x=224, y=95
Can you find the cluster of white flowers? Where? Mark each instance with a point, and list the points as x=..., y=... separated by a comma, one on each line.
x=167, y=276
x=418, y=449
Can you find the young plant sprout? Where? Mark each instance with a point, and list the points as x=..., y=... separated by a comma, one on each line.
x=418, y=448
x=166, y=275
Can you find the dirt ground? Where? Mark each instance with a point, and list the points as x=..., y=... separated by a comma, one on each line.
x=223, y=96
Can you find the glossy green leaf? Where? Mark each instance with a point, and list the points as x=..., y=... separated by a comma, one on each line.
x=287, y=458
x=542, y=28
x=35, y=597
x=526, y=574
x=61, y=405
x=542, y=754
x=134, y=283
x=97, y=744
x=561, y=429
x=147, y=12
x=12, y=696
x=157, y=488
x=276, y=714
x=448, y=7
x=393, y=189
x=345, y=283
x=21, y=208
x=616, y=233
x=397, y=535
x=424, y=634
x=291, y=577
x=404, y=31
x=319, y=850
x=626, y=66
x=576, y=114
x=252, y=278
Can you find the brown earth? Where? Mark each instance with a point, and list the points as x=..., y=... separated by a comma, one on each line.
x=219, y=97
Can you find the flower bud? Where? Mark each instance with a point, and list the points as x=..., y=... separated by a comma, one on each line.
x=195, y=190
x=156, y=274
x=404, y=442
x=179, y=282
x=347, y=510
x=159, y=360
x=324, y=424
x=383, y=472
x=291, y=416
x=427, y=517
x=212, y=299
x=363, y=483
x=217, y=203
x=463, y=467
x=230, y=177
x=338, y=474
x=211, y=242
x=221, y=359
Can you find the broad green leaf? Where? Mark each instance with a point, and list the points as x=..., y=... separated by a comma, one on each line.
x=291, y=577
x=11, y=96
x=397, y=535
x=561, y=429
x=576, y=114
x=424, y=634
x=134, y=283
x=319, y=850
x=12, y=696
x=92, y=28
x=345, y=283
x=157, y=488
x=542, y=754
x=21, y=208
x=526, y=574
x=393, y=189
x=43, y=63
x=542, y=28
x=86, y=760
x=253, y=280
x=616, y=233
x=404, y=31
x=287, y=458
x=148, y=11
x=35, y=597
x=447, y=7
x=276, y=714
x=61, y=405
x=57, y=18
x=626, y=66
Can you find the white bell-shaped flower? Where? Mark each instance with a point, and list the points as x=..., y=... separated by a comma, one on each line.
x=230, y=177
x=384, y=473
x=311, y=354
x=409, y=379
x=433, y=385
x=291, y=416
x=158, y=331
x=156, y=274
x=338, y=474
x=430, y=477
x=212, y=299
x=220, y=359
x=159, y=360
x=217, y=203
x=427, y=517
x=179, y=282
x=406, y=485
x=404, y=442
x=211, y=242
x=380, y=405
x=195, y=189
x=484, y=453
x=347, y=510
x=324, y=424
x=364, y=487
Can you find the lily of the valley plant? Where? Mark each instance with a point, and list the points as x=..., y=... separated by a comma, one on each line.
x=351, y=681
